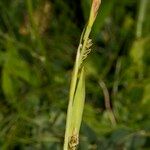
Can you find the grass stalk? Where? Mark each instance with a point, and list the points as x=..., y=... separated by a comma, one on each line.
x=35, y=36
x=108, y=103
x=141, y=16
x=77, y=86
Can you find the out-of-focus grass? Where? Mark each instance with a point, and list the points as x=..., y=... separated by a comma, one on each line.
x=38, y=41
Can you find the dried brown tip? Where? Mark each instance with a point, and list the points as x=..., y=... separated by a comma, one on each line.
x=95, y=6
x=94, y=11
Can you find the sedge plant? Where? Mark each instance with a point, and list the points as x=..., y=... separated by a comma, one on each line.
x=77, y=86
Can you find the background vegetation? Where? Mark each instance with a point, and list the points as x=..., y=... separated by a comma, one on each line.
x=38, y=42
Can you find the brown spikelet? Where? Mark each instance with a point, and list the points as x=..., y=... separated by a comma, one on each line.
x=73, y=142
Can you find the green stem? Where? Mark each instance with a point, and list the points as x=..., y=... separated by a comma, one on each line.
x=141, y=16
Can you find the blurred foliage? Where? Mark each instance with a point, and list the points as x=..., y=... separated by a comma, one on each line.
x=38, y=41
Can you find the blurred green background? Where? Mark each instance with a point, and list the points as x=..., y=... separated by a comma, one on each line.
x=38, y=42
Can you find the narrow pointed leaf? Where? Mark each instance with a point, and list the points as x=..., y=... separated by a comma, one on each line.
x=78, y=104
